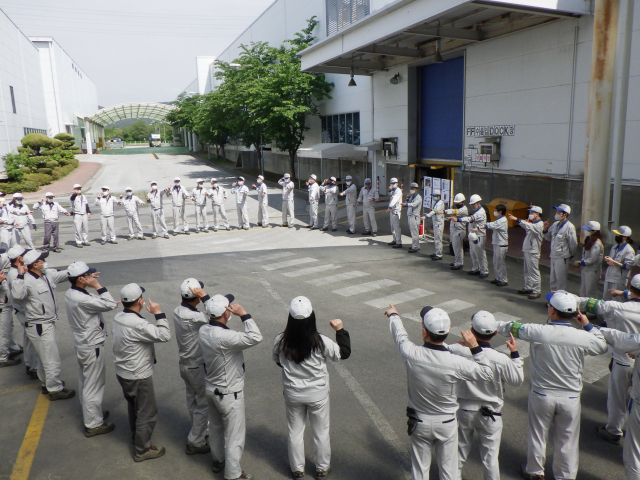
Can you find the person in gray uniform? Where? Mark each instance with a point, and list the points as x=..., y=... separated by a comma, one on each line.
x=107, y=204
x=199, y=198
x=84, y=312
x=288, y=209
x=7, y=224
x=24, y=220
x=481, y=402
x=557, y=362
x=218, y=196
x=33, y=287
x=241, y=191
x=263, y=202
x=50, y=213
x=351, y=194
x=314, y=200
x=303, y=353
x=531, y=251
x=625, y=317
x=619, y=261
x=434, y=377
x=81, y=215
x=500, y=241
x=414, y=205
x=368, y=198
x=562, y=235
x=9, y=349
x=477, y=252
x=134, y=352
x=158, y=225
x=225, y=370
x=591, y=261
x=437, y=220
x=131, y=203
x=187, y=320
x=457, y=230
x=178, y=196
x=395, y=212
x=330, y=191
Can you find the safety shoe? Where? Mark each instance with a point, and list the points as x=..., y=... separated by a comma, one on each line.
x=483, y=275
x=64, y=394
x=285, y=224
x=266, y=225
x=15, y=353
x=297, y=474
x=533, y=296
x=33, y=375
x=363, y=233
x=260, y=224
x=103, y=242
x=44, y=389
x=452, y=264
x=215, y=229
x=205, y=231
x=113, y=242
x=324, y=229
x=100, y=430
x=493, y=282
x=603, y=433
x=187, y=233
x=350, y=232
x=130, y=238
x=334, y=229
x=501, y=284
x=530, y=476
x=397, y=245
x=217, y=466
x=153, y=452
x=166, y=235
x=79, y=245
x=412, y=250
x=524, y=291
x=11, y=362
x=86, y=244
x=154, y=236
x=392, y=243
x=374, y=234
x=243, y=476
x=473, y=272
x=57, y=250
x=193, y=450
x=435, y=259
x=142, y=238
x=323, y=473
x=175, y=234
x=197, y=232
x=459, y=267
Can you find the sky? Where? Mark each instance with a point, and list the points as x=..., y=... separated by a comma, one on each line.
x=137, y=50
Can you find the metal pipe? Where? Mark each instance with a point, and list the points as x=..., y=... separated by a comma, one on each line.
x=573, y=97
x=597, y=166
x=618, y=159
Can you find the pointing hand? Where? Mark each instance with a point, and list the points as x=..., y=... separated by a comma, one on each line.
x=153, y=308
x=391, y=311
x=512, y=345
x=469, y=339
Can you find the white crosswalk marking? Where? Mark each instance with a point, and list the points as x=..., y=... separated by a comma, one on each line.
x=595, y=368
x=336, y=278
x=503, y=317
x=415, y=316
x=523, y=348
x=398, y=298
x=455, y=305
x=288, y=263
x=271, y=256
x=311, y=270
x=365, y=287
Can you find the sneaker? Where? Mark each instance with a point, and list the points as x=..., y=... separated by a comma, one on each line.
x=473, y=272
x=11, y=362
x=524, y=291
x=86, y=244
x=175, y=234
x=365, y=233
x=374, y=234
x=217, y=466
x=100, y=430
x=187, y=233
x=57, y=250
x=142, y=238
x=297, y=474
x=483, y=275
x=324, y=229
x=603, y=433
x=334, y=229
x=103, y=242
x=154, y=236
x=193, y=450
x=130, y=238
x=397, y=245
x=15, y=353
x=533, y=296
x=493, y=282
x=530, y=476
x=285, y=224
x=501, y=284
x=459, y=267
x=64, y=394
x=243, y=476
x=435, y=259
x=266, y=225
x=323, y=473
x=392, y=243
x=153, y=452
x=166, y=235
x=412, y=250
x=79, y=245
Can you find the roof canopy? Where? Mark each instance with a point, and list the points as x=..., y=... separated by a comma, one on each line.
x=331, y=150
x=109, y=115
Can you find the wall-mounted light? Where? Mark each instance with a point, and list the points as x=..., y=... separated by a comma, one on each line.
x=395, y=79
x=352, y=82
x=438, y=57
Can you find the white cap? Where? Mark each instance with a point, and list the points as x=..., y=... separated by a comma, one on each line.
x=414, y=185
x=535, y=209
x=473, y=237
x=131, y=292
x=152, y=183
x=623, y=230
x=484, y=323
x=286, y=175
x=107, y=188
x=32, y=256
x=16, y=251
x=367, y=181
x=77, y=185
x=218, y=304
x=214, y=180
x=348, y=177
x=475, y=199
x=563, y=301
x=260, y=177
x=300, y=308
x=241, y=178
x=436, y=321
x=393, y=180
x=313, y=175
x=333, y=179
x=459, y=198
x=128, y=189
x=637, y=259
x=49, y=194
x=635, y=281
x=199, y=180
x=190, y=282
x=17, y=195
x=591, y=226
x=79, y=268
x=563, y=208
x=435, y=192
x=177, y=179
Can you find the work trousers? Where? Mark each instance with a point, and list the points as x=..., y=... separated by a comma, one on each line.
x=158, y=225
x=319, y=420
x=589, y=281
x=263, y=211
x=243, y=215
x=396, y=230
x=7, y=238
x=30, y=355
x=351, y=217
x=438, y=230
x=143, y=411
x=202, y=223
x=631, y=449
x=227, y=430
x=135, y=227
x=439, y=432
x=81, y=222
x=91, y=383
x=107, y=228
x=219, y=214
x=331, y=216
x=499, y=266
x=313, y=215
x=287, y=209
x=619, y=285
x=564, y=414
x=457, y=242
x=369, y=217
x=43, y=339
x=618, y=396
x=489, y=433
x=414, y=228
x=50, y=234
x=179, y=219
x=559, y=272
x=479, y=255
x=194, y=382
x=532, y=272
x=7, y=343
x=25, y=233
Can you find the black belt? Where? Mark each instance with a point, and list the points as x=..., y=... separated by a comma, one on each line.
x=488, y=412
x=413, y=421
x=218, y=393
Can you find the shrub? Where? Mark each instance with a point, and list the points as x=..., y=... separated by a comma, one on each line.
x=47, y=152
x=52, y=164
x=46, y=171
x=67, y=140
x=63, y=161
x=13, y=166
x=36, y=141
x=40, y=178
x=22, y=187
x=74, y=148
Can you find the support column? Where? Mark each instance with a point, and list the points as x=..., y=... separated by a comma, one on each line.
x=87, y=136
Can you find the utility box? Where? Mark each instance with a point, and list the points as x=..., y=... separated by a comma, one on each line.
x=514, y=207
x=390, y=146
x=489, y=149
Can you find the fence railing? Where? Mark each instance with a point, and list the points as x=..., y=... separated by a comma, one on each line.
x=342, y=13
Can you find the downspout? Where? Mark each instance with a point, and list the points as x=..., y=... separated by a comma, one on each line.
x=573, y=95
x=374, y=167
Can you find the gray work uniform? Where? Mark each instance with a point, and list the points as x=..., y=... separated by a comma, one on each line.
x=591, y=269
x=263, y=204
x=241, y=192
x=475, y=395
x=414, y=204
x=30, y=354
x=351, y=197
x=287, y=201
x=134, y=352
x=199, y=195
x=7, y=238
x=35, y=294
x=457, y=232
x=50, y=213
x=314, y=200
x=158, y=224
x=218, y=196
x=178, y=196
x=24, y=219
x=107, y=220
x=395, y=205
x=434, y=377
x=437, y=220
x=130, y=203
x=563, y=246
x=624, y=317
x=500, y=241
x=306, y=392
x=187, y=321
x=368, y=198
x=224, y=363
x=557, y=361
x=330, y=205
x=531, y=252
x=84, y=312
x=615, y=278
x=476, y=250
x=80, y=209
x=7, y=343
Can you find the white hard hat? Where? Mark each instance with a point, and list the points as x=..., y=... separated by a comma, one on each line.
x=592, y=226
x=218, y=304
x=49, y=194
x=349, y=177
x=459, y=198
x=436, y=192
x=475, y=199
x=131, y=292
x=536, y=209
x=300, y=308
x=436, y=321
x=17, y=195
x=152, y=183
x=177, y=179
x=199, y=180
x=473, y=237
x=563, y=301
x=414, y=185
x=635, y=281
x=367, y=181
x=564, y=208
x=128, y=189
x=484, y=323
x=77, y=185
x=214, y=180
x=107, y=188
x=393, y=180
x=190, y=282
x=286, y=175
x=313, y=176
x=623, y=230
x=241, y=178
x=79, y=268
x=260, y=177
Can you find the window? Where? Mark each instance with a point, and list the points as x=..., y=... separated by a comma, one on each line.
x=344, y=128
x=13, y=100
x=342, y=13
x=27, y=131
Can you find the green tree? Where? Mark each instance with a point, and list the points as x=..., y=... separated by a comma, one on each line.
x=140, y=131
x=214, y=120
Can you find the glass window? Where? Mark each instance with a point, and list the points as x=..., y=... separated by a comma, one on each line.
x=349, y=123
x=342, y=128
x=13, y=100
x=335, y=136
x=356, y=128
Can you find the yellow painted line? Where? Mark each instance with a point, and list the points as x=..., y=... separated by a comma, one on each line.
x=20, y=388
x=31, y=439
